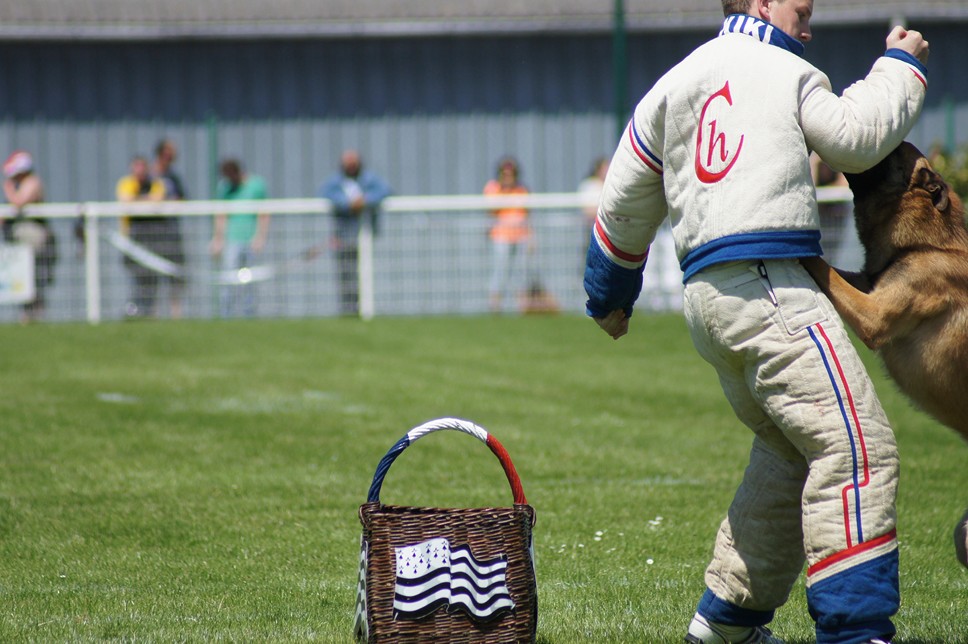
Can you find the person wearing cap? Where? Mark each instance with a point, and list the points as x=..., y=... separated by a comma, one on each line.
x=22, y=186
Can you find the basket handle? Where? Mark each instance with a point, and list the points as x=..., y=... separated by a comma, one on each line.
x=457, y=424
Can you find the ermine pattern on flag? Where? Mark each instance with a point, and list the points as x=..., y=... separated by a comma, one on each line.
x=431, y=574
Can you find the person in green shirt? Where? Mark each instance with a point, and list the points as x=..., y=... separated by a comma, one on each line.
x=238, y=237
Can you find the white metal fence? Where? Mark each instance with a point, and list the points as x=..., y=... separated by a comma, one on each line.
x=429, y=255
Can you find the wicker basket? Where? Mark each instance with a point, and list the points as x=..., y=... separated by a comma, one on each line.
x=446, y=574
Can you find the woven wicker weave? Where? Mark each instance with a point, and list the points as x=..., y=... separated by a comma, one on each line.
x=489, y=533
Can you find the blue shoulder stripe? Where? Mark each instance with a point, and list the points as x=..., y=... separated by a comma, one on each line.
x=640, y=147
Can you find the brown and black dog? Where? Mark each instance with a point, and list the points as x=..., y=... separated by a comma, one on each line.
x=910, y=301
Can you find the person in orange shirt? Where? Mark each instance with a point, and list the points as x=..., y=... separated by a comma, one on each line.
x=510, y=234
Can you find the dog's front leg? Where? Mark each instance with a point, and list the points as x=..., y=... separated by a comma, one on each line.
x=857, y=280
x=858, y=309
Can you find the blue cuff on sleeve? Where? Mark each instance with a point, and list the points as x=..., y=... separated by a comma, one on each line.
x=608, y=285
x=904, y=56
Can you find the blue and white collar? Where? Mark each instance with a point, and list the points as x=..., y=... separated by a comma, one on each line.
x=763, y=31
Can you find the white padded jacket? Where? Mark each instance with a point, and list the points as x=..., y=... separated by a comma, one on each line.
x=721, y=144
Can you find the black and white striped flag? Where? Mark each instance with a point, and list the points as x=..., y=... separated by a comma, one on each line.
x=431, y=574
x=361, y=625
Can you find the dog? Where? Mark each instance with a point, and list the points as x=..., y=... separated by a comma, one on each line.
x=909, y=303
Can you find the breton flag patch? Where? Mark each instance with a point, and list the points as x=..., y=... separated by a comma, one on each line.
x=361, y=626
x=431, y=574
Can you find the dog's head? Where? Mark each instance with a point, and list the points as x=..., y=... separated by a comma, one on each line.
x=902, y=202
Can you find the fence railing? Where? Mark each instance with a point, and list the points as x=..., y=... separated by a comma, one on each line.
x=427, y=255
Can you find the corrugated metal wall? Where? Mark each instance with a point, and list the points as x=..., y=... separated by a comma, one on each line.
x=431, y=114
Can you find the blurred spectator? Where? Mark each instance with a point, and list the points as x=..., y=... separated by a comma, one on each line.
x=169, y=241
x=936, y=152
x=537, y=299
x=590, y=189
x=356, y=195
x=510, y=234
x=22, y=186
x=662, y=277
x=144, y=232
x=238, y=239
x=834, y=215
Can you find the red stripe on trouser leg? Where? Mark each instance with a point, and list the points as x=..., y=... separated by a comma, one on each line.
x=775, y=378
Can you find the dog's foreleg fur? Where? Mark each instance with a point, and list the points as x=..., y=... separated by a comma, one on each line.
x=861, y=311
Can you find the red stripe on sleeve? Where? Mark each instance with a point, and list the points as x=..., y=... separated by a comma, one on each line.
x=613, y=249
x=646, y=160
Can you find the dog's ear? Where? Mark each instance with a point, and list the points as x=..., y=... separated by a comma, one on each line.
x=936, y=187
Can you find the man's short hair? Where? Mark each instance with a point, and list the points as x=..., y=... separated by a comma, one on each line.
x=735, y=6
x=161, y=145
x=230, y=166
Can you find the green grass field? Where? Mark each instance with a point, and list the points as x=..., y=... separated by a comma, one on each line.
x=200, y=481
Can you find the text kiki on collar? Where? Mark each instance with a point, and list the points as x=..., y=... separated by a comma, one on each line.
x=761, y=30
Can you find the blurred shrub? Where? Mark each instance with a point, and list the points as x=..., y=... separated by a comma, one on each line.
x=953, y=166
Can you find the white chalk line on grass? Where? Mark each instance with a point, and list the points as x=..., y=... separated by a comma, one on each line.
x=649, y=481
x=117, y=398
x=264, y=403
x=259, y=403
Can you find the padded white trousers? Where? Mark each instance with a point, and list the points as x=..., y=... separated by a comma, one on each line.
x=822, y=478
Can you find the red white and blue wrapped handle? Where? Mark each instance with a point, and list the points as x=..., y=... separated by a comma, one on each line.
x=457, y=424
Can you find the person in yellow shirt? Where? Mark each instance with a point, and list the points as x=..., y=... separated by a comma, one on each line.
x=510, y=233
x=135, y=187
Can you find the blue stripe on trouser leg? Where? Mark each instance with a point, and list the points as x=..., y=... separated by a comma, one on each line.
x=823, y=471
x=849, y=606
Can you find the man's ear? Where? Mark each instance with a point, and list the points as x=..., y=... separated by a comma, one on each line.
x=932, y=182
x=762, y=9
